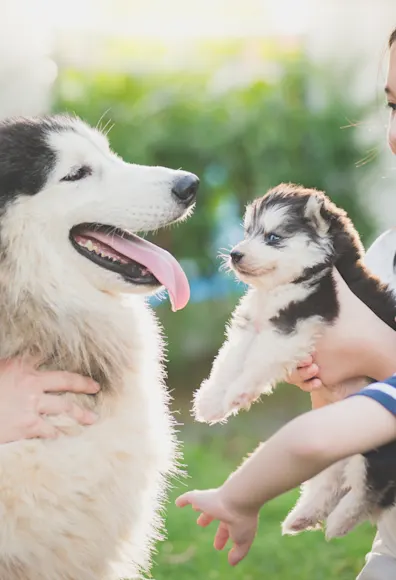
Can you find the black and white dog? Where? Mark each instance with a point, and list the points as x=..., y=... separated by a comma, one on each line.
x=73, y=276
x=294, y=237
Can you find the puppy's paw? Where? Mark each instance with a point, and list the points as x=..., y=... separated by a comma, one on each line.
x=301, y=519
x=241, y=396
x=338, y=527
x=209, y=403
x=299, y=525
x=241, y=401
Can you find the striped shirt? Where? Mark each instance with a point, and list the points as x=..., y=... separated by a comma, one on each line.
x=385, y=541
x=383, y=392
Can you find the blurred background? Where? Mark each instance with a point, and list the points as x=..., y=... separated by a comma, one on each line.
x=245, y=95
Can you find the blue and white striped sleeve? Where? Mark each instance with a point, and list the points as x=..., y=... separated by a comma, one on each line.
x=383, y=392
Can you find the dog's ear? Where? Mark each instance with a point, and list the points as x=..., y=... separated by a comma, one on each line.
x=314, y=212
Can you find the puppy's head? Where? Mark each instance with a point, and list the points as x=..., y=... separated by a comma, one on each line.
x=288, y=231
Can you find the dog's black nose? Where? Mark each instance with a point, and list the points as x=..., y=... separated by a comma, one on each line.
x=185, y=189
x=236, y=257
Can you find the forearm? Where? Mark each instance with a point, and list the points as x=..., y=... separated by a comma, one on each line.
x=273, y=469
x=308, y=445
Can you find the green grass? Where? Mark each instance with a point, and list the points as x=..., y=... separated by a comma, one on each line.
x=187, y=554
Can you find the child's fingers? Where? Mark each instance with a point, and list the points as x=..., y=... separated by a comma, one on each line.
x=184, y=500
x=199, y=500
x=237, y=553
x=221, y=537
x=305, y=363
x=315, y=384
x=309, y=372
x=204, y=520
x=309, y=386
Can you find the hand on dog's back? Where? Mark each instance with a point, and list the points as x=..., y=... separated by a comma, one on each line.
x=28, y=395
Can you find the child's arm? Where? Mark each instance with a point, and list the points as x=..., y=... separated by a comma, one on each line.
x=300, y=450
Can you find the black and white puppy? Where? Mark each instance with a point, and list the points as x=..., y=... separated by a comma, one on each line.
x=294, y=237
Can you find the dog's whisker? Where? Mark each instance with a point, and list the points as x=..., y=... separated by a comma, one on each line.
x=101, y=118
x=370, y=156
x=111, y=127
x=103, y=129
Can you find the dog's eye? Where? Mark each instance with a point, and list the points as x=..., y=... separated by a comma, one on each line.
x=272, y=239
x=78, y=173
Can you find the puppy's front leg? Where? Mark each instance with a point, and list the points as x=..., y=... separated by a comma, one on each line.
x=209, y=400
x=272, y=356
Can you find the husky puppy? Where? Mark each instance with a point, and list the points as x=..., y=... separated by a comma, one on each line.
x=73, y=276
x=294, y=237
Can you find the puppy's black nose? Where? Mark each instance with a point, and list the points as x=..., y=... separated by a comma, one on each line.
x=185, y=189
x=236, y=256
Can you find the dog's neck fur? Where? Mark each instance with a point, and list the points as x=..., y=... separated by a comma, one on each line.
x=62, y=337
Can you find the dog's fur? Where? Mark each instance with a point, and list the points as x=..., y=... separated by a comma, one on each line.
x=85, y=506
x=294, y=237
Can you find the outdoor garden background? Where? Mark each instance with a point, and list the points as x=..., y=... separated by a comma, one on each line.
x=245, y=95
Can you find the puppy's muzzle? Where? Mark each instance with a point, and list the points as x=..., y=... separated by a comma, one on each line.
x=236, y=256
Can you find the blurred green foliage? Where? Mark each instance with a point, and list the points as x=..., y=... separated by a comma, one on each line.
x=240, y=139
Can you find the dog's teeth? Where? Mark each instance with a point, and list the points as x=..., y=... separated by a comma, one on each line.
x=91, y=247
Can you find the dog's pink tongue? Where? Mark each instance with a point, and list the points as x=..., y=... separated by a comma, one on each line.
x=161, y=263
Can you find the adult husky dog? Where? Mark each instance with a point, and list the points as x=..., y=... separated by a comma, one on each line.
x=86, y=505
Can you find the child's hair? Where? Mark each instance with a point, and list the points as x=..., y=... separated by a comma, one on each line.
x=392, y=38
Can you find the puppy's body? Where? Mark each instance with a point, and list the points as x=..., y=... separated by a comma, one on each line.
x=86, y=505
x=294, y=238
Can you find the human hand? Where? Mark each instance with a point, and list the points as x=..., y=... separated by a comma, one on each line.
x=236, y=524
x=305, y=377
x=25, y=399
x=358, y=345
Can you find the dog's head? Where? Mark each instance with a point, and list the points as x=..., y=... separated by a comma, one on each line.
x=288, y=231
x=71, y=209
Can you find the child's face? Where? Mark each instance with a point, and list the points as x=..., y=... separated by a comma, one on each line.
x=391, y=96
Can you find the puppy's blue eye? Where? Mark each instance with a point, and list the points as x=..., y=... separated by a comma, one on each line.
x=272, y=239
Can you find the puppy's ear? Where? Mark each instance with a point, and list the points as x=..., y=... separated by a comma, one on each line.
x=313, y=212
x=250, y=217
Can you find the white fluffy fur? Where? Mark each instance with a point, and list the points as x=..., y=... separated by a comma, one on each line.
x=254, y=357
x=87, y=505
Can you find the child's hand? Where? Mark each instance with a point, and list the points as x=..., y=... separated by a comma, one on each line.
x=306, y=376
x=235, y=524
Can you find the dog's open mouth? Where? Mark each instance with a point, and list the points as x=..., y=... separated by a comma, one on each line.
x=136, y=260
